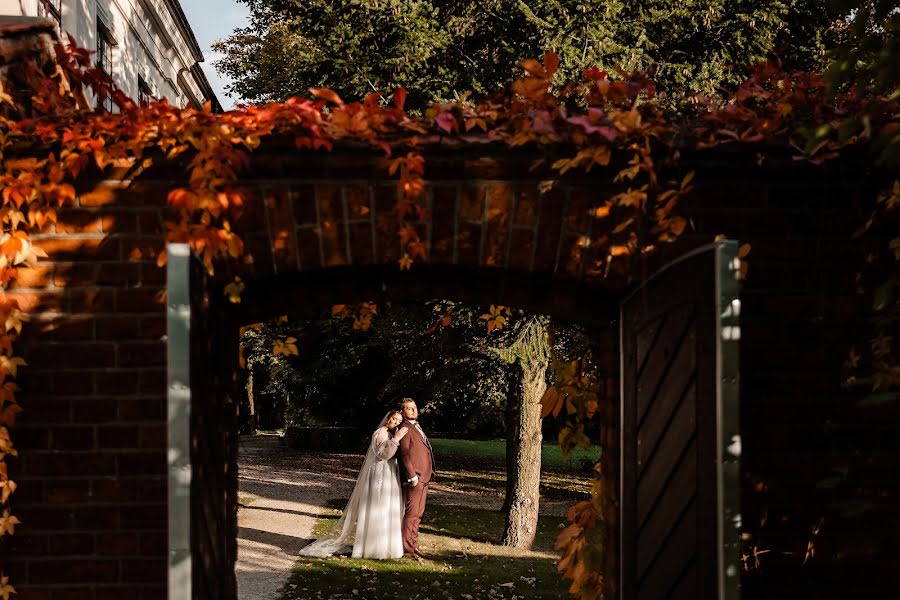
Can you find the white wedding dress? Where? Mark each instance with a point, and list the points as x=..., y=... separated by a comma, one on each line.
x=370, y=524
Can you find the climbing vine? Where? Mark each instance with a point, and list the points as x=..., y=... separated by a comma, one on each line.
x=49, y=138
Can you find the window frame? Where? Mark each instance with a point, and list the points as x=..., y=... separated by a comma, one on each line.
x=104, y=58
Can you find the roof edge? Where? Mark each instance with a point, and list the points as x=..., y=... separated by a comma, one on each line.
x=181, y=21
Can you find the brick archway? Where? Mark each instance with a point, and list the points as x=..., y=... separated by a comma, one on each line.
x=306, y=294
x=92, y=476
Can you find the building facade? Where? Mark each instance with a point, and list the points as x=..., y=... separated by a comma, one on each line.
x=146, y=46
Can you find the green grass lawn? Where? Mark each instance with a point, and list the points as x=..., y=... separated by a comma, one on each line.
x=465, y=564
x=467, y=561
x=495, y=450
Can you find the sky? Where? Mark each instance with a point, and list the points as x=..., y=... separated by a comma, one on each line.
x=212, y=20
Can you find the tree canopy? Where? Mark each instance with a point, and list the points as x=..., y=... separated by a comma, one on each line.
x=440, y=51
x=455, y=367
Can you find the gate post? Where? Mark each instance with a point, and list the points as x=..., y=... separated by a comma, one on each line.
x=178, y=329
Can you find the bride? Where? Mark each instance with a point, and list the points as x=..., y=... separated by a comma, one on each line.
x=370, y=524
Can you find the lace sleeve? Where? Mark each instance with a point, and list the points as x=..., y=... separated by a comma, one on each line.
x=385, y=446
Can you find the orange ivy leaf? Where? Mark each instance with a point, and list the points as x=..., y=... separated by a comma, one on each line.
x=5, y=588
x=495, y=318
x=234, y=290
x=6, y=445
x=327, y=94
x=8, y=415
x=566, y=537
x=7, y=487
x=10, y=364
x=551, y=403
x=285, y=347
x=8, y=523
x=677, y=225
x=601, y=212
x=533, y=67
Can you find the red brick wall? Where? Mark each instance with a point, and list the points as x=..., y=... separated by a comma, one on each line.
x=92, y=471
x=92, y=475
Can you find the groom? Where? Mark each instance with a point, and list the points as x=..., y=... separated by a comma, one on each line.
x=416, y=468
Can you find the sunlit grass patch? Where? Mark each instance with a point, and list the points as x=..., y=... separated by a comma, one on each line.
x=331, y=513
x=465, y=564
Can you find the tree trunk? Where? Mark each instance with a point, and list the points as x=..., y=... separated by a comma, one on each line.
x=523, y=458
x=250, y=424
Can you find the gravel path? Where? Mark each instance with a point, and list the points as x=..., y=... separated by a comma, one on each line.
x=283, y=493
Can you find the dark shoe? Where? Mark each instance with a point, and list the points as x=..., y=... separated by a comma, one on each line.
x=423, y=555
x=411, y=556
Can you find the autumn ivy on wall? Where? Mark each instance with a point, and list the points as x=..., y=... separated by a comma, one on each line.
x=51, y=138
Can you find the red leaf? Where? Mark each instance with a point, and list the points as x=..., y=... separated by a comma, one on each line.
x=551, y=62
x=399, y=98
x=594, y=74
x=447, y=122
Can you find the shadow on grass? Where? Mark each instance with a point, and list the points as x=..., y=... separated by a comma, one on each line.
x=481, y=525
x=462, y=523
x=447, y=575
x=552, y=487
x=286, y=511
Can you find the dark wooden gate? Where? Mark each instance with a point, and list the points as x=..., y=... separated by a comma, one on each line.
x=202, y=431
x=680, y=519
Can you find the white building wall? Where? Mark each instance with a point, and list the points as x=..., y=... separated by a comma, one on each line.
x=150, y=44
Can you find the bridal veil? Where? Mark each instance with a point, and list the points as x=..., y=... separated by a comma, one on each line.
x=370, y=524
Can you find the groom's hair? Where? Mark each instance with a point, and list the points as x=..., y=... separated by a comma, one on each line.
x=405, y=401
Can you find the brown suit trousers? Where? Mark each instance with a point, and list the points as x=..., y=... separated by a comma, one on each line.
x=416, y=459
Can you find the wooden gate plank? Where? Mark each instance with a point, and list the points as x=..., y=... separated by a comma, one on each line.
x=658, y=364
x=650, y=434
x=676, y=557
x=665, y=516
x=686, y=588
x=676, y=439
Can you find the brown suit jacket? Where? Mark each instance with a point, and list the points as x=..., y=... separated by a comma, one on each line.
x=416, y=457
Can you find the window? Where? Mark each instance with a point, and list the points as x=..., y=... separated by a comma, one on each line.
x=105, y=43
x=51, y=9
x=145, y=92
